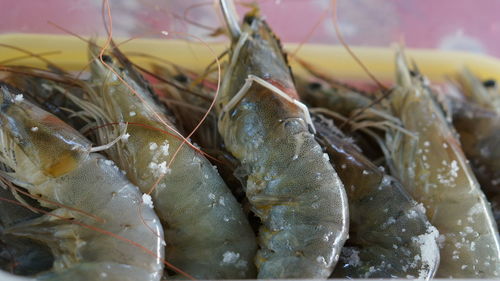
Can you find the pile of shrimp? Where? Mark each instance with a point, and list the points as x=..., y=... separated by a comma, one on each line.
x=244, y=171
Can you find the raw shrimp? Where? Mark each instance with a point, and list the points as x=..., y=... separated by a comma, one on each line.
x=207, y=233
x=291, y=185
x=389, y=234
x=435, y=171
x=55, y=162
x=207, y=135
x=479, y=131
x=478, y=124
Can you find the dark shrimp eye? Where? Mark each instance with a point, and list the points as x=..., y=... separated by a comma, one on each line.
x=489, y=83
x=248, y=19
x=107, y=59
x=181, y=78
x=413, y=73
x=314, y=86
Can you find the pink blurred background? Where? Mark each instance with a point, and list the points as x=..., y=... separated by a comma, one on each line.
x=445, y=24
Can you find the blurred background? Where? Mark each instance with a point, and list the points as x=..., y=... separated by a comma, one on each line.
x=445, y=24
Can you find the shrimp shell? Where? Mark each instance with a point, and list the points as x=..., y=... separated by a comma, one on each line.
x=479, y=128
x=207, y=233
x=291, y=185
x=479, y=136
x=390, y=235
x=52, y=160
x=435, y=171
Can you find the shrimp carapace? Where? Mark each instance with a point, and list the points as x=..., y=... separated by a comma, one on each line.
x=53, y=145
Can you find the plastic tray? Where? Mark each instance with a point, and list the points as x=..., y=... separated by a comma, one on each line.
x=333, y=60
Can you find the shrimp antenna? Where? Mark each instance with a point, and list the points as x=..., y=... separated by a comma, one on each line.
x=310, y=33
x=322, y=76
x=190, y=21
x=231, y=18
x=171, y=83
x=349, y=50
x=40, y=73
x=37, y=56
x=65, y=30
x=14, y=59
x=386, y=90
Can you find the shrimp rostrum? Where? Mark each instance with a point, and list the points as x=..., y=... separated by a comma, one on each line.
x=433, y=168
x=94, y=230
x=291, y=185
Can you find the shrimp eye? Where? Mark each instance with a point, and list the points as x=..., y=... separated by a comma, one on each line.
x=249, y=19
x=490, y=83
x=314, y=86
x=181, y=78
x=107, y=59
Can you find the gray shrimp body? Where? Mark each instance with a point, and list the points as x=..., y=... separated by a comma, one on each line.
x=477, y=121
x=291, y=185
x=433, y=168
x=207, y=233
x=111, y=240
x=389, y=235
x=479, y=131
